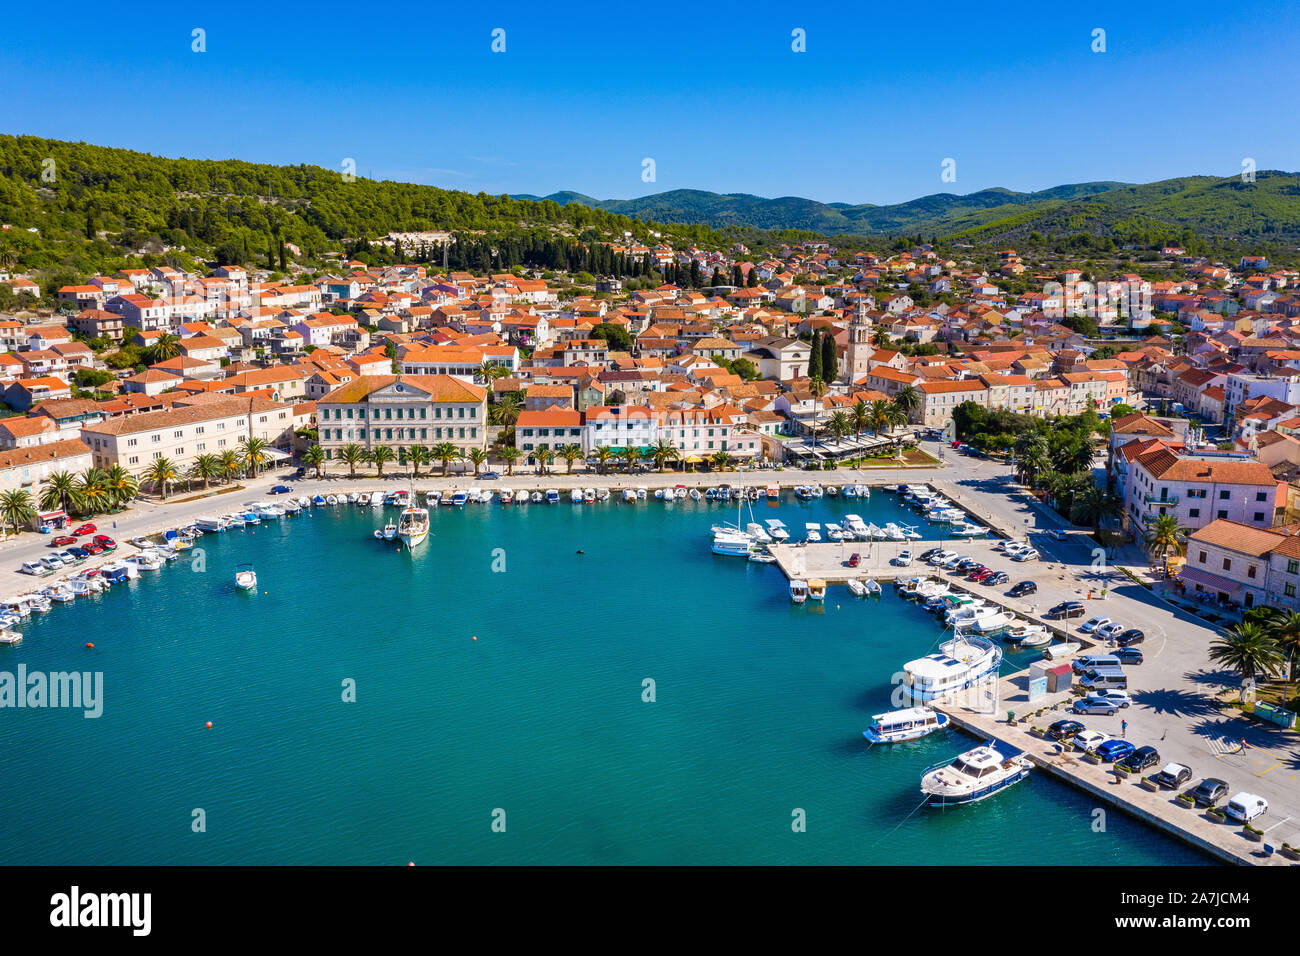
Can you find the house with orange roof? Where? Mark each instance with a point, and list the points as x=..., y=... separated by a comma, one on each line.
x=1200, y=487
x=393, y=410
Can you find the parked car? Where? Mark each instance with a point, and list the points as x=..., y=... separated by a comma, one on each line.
x=1245, y=807
x=1174, y=775
x=1023, y=588
x=1089, y=739
x=980, y=575
x=1093, y=623
x=1012, y=548
x=1030, y=555
x=81, y=554
x=84, y=529
x=32, y=567
x=1066, y=610
x=105, y=542
x=903, y=560
x=489, y=476
x=927, y=554
x=939, y=557
x=1210, y=791
x=1094, y=705
x=1062, y=729
x=1130, y=637
x=997, y=578
x=1108, y=631
x=1120, y=697
x=92, y=548
x=1140, y=759
x=1129, y=655
x=952, y=562
x=62, y=541
x=1056, y=534
x=1113, y=750
x=51, y=562
x=300, y=471
x=968, y=564
x=281, y=490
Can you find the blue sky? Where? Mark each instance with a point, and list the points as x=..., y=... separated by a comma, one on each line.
x=1011, y=92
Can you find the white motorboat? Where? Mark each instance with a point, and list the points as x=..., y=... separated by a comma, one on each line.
x=588, y=496
x=376, y=499
x=758, y=533
x=812, y=532
x=364, y=498
x=352, y=497
x=1060, y=651
x=641, y=492
x=798, y=591
x=679, y=491
x=387, y=533
x=776, y=529
x=857, y=587
x=1028, y=635
x=992, y=623
x=850, y=491
x=817, y=491
x=602, y=494
x=863, y=491
x=576, y=496
x=150, y=560
x=834, y=533
x=246, y=578
x=855, y=526
x=552, y=496
x=959, y=663
x=695, y=494
x=762, y=557
x=506, y=496
x=873, y=586
x=210, y=523
x=833, y=491
x=817, y=590
x=537, y=498
x=911, y=723
x=974, y=775
x=629, y=495
x=331, y=499
x=10, y=637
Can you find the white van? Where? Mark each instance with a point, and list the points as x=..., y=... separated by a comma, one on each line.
x=1090, y=661
x=1104, y=678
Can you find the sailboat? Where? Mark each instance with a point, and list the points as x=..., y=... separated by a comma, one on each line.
x=413, y=525
x=739, y=540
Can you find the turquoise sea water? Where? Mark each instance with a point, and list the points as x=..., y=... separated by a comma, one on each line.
x=759, y=711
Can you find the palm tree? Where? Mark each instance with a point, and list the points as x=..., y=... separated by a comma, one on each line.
x=570, y=453
x=160, y=474
x=1092, y=504
x=351, y=455
x=1285, y=629
x=509, y=454
x=168, y=346
x=92, y=490
x=664, y=451
x=816, y=388
x=60, y=491
x=380, y=456
x=630, y=455
x=1163, y=535
x=839, y=425
x=603, y=457
x=860, y=414
x=253, y=451
x=121, y=484
x=314, y=457
x=908, y=400
x=488, y=371
x=477, y=456
x=444, y=452
x=16, y=508
x=230, y=465
x=418, y=455
x=721, y=461
x=205, y=467
x=544, y=457
x=1249, y=650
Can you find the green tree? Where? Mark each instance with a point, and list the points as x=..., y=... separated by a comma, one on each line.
x=166, y=347
x=314, y=457
x=418, y=455
x=160, y=473
x=664, y=451
x=1249, y=650
x=1164, y=535
x=352, y=455
x=205, y=468
x=830, y=359
x=476, y=456
x=61, y=490
x=254, y=453
x=570, y=453
x=381, y=455
x=16, y=507
x=445, y=452
x=509, y=454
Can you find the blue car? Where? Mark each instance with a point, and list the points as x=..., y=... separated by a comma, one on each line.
x=80, y=553
x=281, y=490
x=1113, y=750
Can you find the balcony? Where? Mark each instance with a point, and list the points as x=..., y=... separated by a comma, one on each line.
x=1161, y=502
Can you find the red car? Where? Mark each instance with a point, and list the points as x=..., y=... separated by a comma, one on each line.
x=85, y=529
x=854, y=560
x=104, y=541
x=62, y=541
x=90, y=547
x=982, y=576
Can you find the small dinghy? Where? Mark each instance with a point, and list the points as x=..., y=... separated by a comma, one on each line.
x=246, y=578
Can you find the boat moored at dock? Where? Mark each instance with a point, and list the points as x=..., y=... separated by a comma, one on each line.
x=911, y=723
x=974, y=775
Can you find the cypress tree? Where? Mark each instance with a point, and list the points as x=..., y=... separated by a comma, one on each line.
x=815, y=357
x=830, y=361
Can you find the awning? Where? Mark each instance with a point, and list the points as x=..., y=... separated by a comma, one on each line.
x=693, y=460
x=274, y=454
x=1212, y=581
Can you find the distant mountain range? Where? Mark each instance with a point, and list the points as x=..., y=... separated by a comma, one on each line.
x=1209, y=206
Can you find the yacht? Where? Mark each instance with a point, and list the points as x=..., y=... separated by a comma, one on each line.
x=959, y=663
x=729, y=541
x=413, y=526
x=974, y=775
x=855, y=526
x=246, y=578
x=909, y=724
x=798, y=591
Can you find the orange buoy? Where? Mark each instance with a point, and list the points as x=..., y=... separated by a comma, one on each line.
x=475, y=638
x=412, y=863
x=209, y=725
x=90, y=645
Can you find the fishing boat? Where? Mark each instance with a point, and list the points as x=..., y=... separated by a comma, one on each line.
x=552, y=496
x=118, y=571
x=812, y=532
x=413, y=526
x=773, y=491
x=458, y=498
x=872, y=586
x=629, y=495
x=537, y=497
x=759, y=556
x=588, y=496
x=912, y=723
x=817, y=491
x=833, y=491
x=817, y=590
x=1027, y=635
x=891, y=489
x=602, y=494
x=318, y=501
x=974, y=775
x=246, y=578
x=507, y=496
x=641, y=492
x=959, y=663
x=803, y=492
x=387, y=533
x=364, y=498
x=146, y=560
x=798, y=591
x=9, y=637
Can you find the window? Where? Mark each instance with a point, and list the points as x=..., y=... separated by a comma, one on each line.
x=1259, y=516
x=1259, y=496
x=1194, y=513
x=1222, y=514
x=1227, y=564
x=1292, y=567
x=1289, y=590
x=1223, y=496
x=1250, y=571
